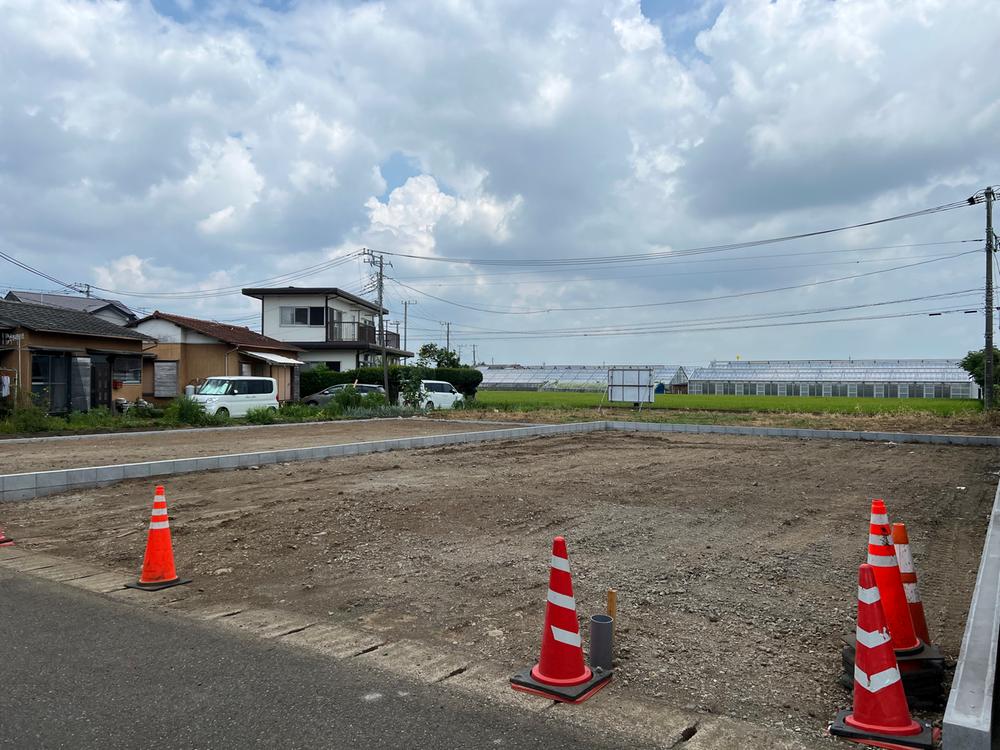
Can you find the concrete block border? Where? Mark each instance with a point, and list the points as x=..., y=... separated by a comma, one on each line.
x=968, y=718
x=29, y=485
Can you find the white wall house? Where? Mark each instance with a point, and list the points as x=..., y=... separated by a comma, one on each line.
x=331, y=326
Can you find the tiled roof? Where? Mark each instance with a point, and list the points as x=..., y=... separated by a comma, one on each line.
x=60, y=320
x=70, y=302
x=234, y=335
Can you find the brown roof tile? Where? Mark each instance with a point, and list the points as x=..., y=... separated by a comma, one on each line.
x=235, y=335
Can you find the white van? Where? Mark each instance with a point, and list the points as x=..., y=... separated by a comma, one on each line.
x=234, y=396
x=438, y=394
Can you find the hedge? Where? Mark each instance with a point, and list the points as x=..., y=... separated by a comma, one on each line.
x=465, y=379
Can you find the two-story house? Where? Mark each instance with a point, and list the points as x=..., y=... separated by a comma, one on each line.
x=330, y=326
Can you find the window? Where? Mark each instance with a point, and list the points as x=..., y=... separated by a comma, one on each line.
x=804, y=389
x=719, y=389
x=50, y=381
x=761, y=389
x=827, y=389
x=852, y=390
x=739, y=389
x=333, y=366
x=128, y=370
x=164, y=379
x=696, y=389
x=904, y=390
x=879, y=391
x=782, y=389
x=301, y=316
x=928, y=391
x=259, y=386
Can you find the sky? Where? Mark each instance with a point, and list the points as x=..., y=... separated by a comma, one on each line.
x=538, y=174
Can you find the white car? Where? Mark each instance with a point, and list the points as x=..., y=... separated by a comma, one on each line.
x=234, y=396
x=438, y=394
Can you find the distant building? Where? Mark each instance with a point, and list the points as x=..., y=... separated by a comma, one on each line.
x=110, y=310
x=68, y=360
x=330, y=326
x=188, y=350
x=572, y=377
x=863, y=378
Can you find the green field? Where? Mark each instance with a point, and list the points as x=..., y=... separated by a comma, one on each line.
x=780, y=404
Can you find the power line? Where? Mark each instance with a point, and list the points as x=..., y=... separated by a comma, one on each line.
x=629, y=328
x=31, y=269
x=664, y=303
x=603, y=259
x=238, y=288
x=668, y=261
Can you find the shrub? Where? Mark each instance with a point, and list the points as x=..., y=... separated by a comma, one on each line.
x=348, y=398
x=465, y=379
x=262, y=415
x=95, y=418
x=332, y=410
x=373, y=401
x=184, y=410
x=33, y=419
x=292, y=412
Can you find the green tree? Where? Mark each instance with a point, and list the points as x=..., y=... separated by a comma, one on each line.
x=974, y=363
x=432, y=355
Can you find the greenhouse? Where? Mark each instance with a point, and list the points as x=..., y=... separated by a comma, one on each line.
x=571, y=377
x=862, y=378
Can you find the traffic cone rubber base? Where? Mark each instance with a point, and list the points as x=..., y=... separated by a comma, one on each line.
x=924, y=740
x=158, y=585
x=5, y=541
x=524, y=682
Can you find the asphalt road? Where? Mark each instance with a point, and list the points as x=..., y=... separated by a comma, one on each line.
x=78, y=670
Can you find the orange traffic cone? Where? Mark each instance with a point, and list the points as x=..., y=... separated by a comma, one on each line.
x=881, y=716
x=560, y=673
x=5, y=541
x=158, y=564
x=882, y=557
x=908, y=574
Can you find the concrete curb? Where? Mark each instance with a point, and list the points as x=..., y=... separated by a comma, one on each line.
x=176, y=430
x=791, y=432
x=968, y=718
x=14, y=487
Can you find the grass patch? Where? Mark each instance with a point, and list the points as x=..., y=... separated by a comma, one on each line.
x=534, y=400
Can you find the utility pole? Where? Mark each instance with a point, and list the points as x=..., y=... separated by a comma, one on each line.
x=990, y=247
x=474, y=360
x=406, y=310
x=447, y=339
x=379, y=265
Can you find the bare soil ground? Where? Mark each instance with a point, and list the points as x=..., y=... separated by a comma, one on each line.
x=124, y=448
x=735, y=559
x=961, y=424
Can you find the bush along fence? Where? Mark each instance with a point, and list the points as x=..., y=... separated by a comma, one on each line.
x=465, y=379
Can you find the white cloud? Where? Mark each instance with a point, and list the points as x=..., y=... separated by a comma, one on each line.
x=148, y=154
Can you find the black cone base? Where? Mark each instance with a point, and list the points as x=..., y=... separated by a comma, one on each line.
x=922, y=672
x=157, y=586
x=922, y=741
x=524, y=682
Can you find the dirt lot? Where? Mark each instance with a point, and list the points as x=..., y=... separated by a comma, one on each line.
x=961, y=424
x=126, y=448
x=735, y=558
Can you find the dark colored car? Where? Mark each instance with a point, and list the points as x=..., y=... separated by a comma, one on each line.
x=324, y=396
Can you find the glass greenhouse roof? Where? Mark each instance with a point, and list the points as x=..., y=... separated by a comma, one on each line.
x=862, y=371
x=595, y=376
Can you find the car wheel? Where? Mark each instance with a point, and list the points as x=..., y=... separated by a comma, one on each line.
x=273, y=409
x=223, y=412
x=429, y=405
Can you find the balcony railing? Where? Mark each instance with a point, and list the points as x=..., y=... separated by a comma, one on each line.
x=359, y=333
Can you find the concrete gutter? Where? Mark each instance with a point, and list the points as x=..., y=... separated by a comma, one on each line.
x=968, y=719
x=14, y=487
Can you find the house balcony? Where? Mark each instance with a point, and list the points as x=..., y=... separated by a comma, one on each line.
x=361, y=334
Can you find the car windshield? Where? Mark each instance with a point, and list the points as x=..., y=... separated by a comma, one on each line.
x=215, y=387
